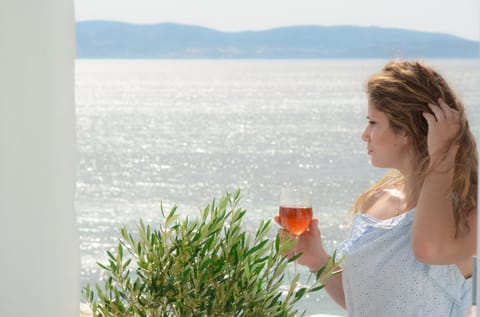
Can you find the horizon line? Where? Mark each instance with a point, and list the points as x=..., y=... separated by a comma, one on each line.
x=276, y=27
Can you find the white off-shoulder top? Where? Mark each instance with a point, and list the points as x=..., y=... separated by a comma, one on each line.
x=382, y=277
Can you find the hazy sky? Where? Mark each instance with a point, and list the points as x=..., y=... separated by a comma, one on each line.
x=457, y=17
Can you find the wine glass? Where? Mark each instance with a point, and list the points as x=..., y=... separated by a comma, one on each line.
x=295, y=211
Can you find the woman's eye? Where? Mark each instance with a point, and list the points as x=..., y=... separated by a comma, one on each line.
x=371, y=122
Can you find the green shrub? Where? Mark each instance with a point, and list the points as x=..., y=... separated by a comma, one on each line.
x=206, y=267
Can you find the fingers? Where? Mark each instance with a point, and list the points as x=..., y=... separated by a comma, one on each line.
x=443, y=105
x=450, y=113
x=443, y=126
x=438, y=113
x=277, y=219
x=285, y=235
x=313, y=225
x=442, y=111
x=430, y=118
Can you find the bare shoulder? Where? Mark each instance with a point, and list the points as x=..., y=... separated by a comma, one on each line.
x=382, y=203
x=371, y=199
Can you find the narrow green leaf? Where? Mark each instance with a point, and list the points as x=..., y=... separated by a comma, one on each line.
x=257, y=247
x=209, y=266
x=120, y=251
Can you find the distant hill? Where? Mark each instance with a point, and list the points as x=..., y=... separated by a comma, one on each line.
x=106, y=39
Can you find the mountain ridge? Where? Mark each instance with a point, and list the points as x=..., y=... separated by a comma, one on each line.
x=110, y=39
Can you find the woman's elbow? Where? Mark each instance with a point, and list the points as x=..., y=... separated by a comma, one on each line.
x=426, y=252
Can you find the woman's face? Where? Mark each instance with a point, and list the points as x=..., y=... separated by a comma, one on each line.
x=386, y=148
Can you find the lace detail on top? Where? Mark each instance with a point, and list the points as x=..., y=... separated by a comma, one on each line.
x=383, y=278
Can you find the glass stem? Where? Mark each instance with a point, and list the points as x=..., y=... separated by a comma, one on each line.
x=295, y=262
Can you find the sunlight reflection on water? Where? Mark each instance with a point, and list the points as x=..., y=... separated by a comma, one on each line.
x=186, y=131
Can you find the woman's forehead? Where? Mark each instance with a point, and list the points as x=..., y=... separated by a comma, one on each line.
x=372, y=110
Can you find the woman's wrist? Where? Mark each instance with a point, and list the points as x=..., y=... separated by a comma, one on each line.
x=320, y=262
x=443, y=163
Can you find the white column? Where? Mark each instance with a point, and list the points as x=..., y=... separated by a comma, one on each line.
x=39, y=254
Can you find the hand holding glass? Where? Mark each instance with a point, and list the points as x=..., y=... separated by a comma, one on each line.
x=295, y=210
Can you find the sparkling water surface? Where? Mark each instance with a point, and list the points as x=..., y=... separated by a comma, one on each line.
x=186, y=131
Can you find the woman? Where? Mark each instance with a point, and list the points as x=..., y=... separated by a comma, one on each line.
x=410, y=249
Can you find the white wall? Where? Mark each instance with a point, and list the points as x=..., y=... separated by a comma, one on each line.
x=39, y=258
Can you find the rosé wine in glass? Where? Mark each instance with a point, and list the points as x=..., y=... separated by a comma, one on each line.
x=295, y=209
x=295, y=212
x=295, y=219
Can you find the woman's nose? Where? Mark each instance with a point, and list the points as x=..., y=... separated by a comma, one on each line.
x=365, y=135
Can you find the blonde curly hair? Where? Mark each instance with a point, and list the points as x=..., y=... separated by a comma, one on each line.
x=403, y=90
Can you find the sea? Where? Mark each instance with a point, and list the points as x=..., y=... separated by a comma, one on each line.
x=184, y=132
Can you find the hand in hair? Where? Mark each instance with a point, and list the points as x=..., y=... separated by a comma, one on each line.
x=443, y=128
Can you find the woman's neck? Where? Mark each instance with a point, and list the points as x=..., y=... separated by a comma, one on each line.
x=410, y=191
